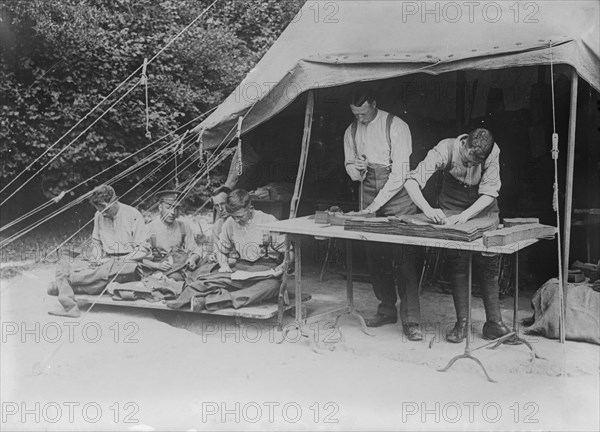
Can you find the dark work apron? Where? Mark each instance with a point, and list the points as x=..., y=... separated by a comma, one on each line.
x=399, y=204
x=459, y=196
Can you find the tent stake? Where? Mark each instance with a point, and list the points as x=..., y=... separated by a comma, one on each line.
x=569, y=194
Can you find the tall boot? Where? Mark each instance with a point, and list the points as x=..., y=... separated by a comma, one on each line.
x=460, y=296
x=459, y=332
x=489, y=269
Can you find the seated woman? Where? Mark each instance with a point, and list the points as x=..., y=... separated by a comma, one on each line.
x=242, y=245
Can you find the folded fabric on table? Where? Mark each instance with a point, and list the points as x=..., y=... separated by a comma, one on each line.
x=420, y=225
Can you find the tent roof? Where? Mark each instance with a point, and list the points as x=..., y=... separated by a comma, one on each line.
x=335, y=43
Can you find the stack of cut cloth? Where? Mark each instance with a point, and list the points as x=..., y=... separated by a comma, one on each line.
x=420, y=225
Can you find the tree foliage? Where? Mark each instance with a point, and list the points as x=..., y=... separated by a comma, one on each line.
x=60, y=58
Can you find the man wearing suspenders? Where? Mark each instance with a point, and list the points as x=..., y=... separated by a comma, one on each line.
x=471, y=183
x=377, y=147
x=171, y=240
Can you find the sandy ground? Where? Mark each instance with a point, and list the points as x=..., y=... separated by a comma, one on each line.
x=129, y=369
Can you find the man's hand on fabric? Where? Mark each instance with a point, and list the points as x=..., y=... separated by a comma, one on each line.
x=436, y=215
x=224, y=268
x=192, y=262
x=458, y=219
x=164, y=266
x=371, y=208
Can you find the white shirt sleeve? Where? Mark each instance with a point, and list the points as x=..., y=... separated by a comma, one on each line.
x=436, y=159
x=401, y=149
x=490, y=177
x=349, y=156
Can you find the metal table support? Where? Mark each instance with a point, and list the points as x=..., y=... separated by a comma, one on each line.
x=467, y=354
x=300, y=321
x=511, y=338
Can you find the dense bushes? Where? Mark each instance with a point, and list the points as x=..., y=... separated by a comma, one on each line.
x=59, y=58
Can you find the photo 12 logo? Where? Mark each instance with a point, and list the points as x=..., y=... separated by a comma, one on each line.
x=469, y=11
x=70, y=412
x=271, y=412
x=71, y=332
x=469, y=412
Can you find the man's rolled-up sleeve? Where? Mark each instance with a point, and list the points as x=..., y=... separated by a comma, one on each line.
x=349, y=155
x=490, y=177
x=436, y=159
x=225, y=243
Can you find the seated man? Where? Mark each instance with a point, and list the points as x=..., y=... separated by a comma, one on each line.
x=219, y=200
x=242, y=245
x=117, y=246
x=171, y=240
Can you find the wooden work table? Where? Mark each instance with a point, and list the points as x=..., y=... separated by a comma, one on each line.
x=306, y=226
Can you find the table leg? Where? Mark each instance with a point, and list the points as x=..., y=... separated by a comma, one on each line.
x=350, y=289
x=513, y=337
x=282, y=298
x=298, y=315
x=467, y=354
x=298, y=256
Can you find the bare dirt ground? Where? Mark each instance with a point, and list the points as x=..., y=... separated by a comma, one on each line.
x=129, y=369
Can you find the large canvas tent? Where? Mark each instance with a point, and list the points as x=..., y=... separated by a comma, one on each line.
x=334, y=43
x=330, y=45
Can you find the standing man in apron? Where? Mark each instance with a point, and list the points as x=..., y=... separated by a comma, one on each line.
x=471, y=169
x=377, y=147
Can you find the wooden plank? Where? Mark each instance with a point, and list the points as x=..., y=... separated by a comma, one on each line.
x=505, y=236
x=262, y=311
x=511, y=222
x=338, y=218
x=568, y=202
x=308, y=118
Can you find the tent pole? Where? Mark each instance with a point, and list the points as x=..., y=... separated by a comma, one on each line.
x=308, y=117
x=569, y=190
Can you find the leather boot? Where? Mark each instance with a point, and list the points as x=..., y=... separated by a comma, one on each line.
x=460, y=296
x=494, y=330
x=458, y=333
x=493, y=327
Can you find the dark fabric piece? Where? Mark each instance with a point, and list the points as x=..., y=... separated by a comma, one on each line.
x=178, y=269
x=458, y=196
x=130, y=291
x=392, y=264
x=399, y=204
x=218, y=291
x=163, y=288
x=81, y=277
x=582, y=312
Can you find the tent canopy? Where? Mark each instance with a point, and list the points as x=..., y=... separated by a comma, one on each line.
x=335, y=43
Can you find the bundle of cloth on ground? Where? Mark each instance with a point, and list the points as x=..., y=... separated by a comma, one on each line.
x=419, y=225
x=582, y=311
